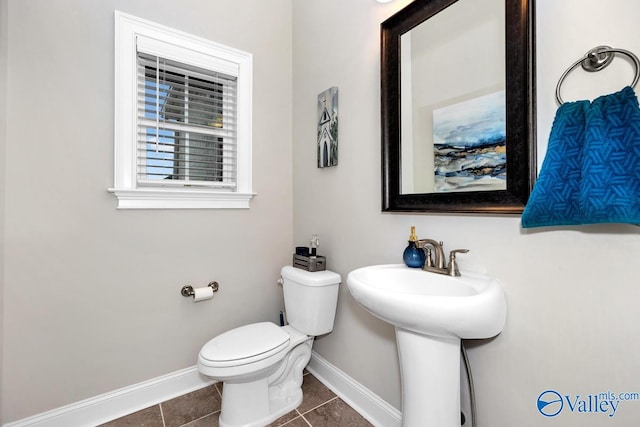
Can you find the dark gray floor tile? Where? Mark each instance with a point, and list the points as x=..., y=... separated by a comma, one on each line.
x=149, y=417
x=335, y=413
x=296, y=422
x=191, y=406
x=314, y=393
x=284, y=419
x=208, y=421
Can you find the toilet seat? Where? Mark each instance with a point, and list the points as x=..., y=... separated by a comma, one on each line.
x=244, y=345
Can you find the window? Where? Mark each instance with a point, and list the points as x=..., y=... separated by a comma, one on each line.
x=183, y=120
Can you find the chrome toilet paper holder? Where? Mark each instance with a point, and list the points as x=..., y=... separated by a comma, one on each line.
x=187, y=290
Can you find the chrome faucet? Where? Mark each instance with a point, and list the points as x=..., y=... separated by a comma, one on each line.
x=439, y=265
x=437, y=247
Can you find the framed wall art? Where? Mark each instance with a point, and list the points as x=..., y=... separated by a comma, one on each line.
x=328, y=128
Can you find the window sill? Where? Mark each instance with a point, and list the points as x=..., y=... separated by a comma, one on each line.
x=149, y=198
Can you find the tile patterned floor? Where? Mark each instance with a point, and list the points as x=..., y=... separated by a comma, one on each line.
x=320, y=407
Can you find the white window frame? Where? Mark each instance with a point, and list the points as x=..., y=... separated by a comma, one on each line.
x=179, y=46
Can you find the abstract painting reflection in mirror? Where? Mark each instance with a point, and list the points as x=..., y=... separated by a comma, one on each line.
x=469, y=141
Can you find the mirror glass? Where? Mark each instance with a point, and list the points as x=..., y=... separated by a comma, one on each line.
x=457, y=110
x=452, y=92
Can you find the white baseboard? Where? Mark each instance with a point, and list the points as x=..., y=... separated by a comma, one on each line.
x=377, y=411
x=100, y=409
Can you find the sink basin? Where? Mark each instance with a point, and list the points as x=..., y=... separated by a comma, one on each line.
x=470, y=306
x=431, y=314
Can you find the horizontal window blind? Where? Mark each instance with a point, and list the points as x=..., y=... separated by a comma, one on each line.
x=186, y=125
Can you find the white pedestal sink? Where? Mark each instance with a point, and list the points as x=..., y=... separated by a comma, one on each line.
x=431, y=314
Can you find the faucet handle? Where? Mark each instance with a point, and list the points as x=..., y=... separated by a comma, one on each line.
x=452, y=269
x=455, y=251
x=428, y=261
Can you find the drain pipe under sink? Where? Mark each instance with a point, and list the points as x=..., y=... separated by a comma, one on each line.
x=472, y=395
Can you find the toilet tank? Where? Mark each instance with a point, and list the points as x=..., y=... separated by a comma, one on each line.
x=310, y=299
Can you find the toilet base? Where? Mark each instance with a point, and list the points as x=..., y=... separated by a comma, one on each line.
x=260, y=402
x=246, y=405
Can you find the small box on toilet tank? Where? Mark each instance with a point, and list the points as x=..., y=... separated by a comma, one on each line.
x=310, y=263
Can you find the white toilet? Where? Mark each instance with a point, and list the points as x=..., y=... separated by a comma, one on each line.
x=261, y=364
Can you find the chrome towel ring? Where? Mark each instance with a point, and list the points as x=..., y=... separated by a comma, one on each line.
x=595, y=60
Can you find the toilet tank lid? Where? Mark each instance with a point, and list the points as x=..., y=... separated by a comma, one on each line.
x=310, y=278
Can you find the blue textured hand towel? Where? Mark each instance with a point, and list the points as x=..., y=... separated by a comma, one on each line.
x=591, y=172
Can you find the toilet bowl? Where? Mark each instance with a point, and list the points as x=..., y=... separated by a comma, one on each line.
x=261, y=364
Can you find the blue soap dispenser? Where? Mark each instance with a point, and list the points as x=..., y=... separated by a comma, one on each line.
x=413, y=256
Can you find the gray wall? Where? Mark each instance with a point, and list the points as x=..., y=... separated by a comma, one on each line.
x=573, y=294
x=92, y=294
x=3, y=126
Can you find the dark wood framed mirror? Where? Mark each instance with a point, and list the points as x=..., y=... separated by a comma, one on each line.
x=428, y=94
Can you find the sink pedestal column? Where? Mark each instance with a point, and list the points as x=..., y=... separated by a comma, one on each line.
x=430, y=376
